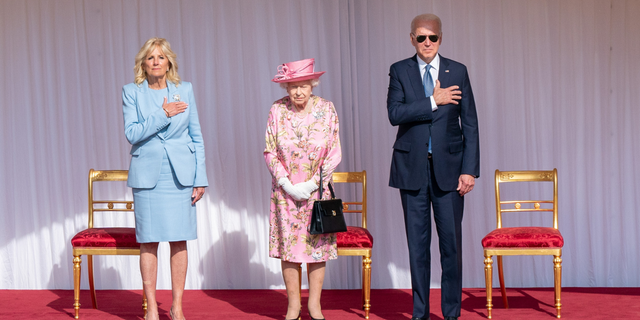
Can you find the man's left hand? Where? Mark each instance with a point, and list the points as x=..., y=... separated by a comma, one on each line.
x=465, y=184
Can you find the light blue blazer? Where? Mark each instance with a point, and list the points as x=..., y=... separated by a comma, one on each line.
x=182, y=140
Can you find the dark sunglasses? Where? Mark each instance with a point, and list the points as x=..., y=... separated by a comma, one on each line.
x=432, y=38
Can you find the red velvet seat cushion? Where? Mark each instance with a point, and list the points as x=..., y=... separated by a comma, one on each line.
x=355, y=237
x=523, y=237
x=106, y=238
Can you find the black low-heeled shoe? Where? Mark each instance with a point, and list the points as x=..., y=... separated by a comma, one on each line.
x=312, y=318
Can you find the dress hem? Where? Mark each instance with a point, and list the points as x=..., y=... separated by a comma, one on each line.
x=313, y=261
x=172, y=240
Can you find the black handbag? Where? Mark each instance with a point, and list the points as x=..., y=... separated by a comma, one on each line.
x=326, y=216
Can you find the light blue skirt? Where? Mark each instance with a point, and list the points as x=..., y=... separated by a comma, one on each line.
x=165, y=213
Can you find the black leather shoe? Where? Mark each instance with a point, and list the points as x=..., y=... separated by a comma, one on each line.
x=416, y=318
x=312, y=318
x=450, y=318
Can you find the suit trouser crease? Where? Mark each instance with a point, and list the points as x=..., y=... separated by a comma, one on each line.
x=448, y=208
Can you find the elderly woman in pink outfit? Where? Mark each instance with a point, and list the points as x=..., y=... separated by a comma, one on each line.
x=301, y=136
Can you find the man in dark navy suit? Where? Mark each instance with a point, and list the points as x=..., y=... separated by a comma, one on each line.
x=436, y=159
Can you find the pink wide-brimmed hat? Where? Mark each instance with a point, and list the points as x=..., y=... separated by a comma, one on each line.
x=297, y=71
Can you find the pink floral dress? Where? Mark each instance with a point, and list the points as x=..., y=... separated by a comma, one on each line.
x=296, y=147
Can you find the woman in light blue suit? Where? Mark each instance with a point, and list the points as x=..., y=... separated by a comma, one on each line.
x=167, y=170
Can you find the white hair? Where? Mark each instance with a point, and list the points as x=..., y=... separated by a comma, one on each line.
x=314, y=83
x=427, y=17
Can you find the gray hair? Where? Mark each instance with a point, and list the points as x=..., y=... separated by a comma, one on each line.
x=427, y=17
x=314, y=83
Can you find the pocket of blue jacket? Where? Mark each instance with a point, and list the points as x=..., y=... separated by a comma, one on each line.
x=402, y=146
x=135, y=150
x=455, y=147
x=192, y=147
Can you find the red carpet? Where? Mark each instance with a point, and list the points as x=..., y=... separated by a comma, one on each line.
x=577, y=303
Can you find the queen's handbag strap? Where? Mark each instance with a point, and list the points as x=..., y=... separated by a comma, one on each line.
x=321, y=185
x=333, y=195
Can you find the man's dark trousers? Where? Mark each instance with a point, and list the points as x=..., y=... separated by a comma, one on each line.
x=447, y=208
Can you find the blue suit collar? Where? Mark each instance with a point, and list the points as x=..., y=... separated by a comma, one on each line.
x=144, y=86
x=413, y=72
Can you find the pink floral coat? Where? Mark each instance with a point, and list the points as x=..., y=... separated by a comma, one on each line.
x=295, y=148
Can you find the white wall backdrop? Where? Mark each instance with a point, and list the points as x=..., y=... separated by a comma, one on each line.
x=556, y=85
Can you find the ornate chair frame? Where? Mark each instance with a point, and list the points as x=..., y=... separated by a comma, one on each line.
x=365, y=252
x=499, y=251
x=90, y=251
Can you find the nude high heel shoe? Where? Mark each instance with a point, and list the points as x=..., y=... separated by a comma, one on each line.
x=172, y=316
x=298, y=318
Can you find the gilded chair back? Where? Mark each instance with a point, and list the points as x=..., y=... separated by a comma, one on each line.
x=354, y=206
x=526, y=205
x=106, y=205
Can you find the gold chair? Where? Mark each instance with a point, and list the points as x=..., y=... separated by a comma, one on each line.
x=523, y=240
x=102, y=241
x=357, y=241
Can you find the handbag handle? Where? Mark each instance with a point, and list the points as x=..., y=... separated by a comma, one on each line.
x=333, y=195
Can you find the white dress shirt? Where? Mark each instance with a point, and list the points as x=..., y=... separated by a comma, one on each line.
x=435, y=66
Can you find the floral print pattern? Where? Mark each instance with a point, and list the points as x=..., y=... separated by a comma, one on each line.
x=295, y=148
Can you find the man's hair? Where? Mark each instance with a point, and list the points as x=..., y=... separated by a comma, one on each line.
x=426, y=17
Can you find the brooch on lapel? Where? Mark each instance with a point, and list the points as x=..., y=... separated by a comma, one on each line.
x=176, y=97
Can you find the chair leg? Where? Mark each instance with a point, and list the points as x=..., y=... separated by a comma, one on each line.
x=503, y=290
x=77, y=262
x=557, y=281
x=488, y=269
x=366, y=284
x=92, y=287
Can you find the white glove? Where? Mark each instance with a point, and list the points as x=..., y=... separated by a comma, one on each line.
x=295, y=192
x=307, y=186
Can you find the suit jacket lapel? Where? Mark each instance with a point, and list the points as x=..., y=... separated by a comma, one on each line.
x=145, y=104
x=413, y=72
x=174, y=96
x=443, y=73
x=443, y=76
x=173, y=93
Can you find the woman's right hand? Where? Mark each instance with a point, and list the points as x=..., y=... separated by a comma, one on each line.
x=173, y=108
x=294, y=191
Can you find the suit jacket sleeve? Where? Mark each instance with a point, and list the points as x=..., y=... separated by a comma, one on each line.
x=469, y=126
x=399, y=111
x=137, y=129
x=195, y=132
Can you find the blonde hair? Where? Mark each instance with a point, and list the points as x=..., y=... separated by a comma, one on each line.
x=165, y=47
